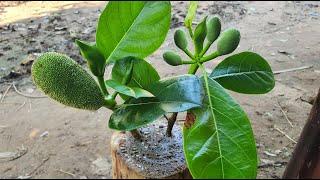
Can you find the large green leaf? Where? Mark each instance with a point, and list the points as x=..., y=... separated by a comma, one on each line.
x=143, y=74
x=220, y=143
x=246, y=72
x=132, y=28
x=178, y=93
x=95, y=59
x=132, y=92
x=174, y=94
x=135, y=113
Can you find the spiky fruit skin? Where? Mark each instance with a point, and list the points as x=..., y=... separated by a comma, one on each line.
x=228, y=41
x=63, y=80
x=172, y=58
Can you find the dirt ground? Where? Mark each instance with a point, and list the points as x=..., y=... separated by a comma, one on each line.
x=49, y=140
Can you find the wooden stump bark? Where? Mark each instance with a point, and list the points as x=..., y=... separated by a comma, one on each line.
x=305, y=160
x=154, y=156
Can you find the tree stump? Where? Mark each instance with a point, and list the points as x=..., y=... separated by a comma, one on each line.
x=153, y=156
x=305, y=160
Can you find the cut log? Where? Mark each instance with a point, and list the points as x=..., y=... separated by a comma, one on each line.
x=154, y=156
x=305, y=160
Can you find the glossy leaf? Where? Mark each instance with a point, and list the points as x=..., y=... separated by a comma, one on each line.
x=178, y=93
x=246, y=72
x=95, y=59
x=174, y=94
x=143, y=74
x=191, y=13
x=132, y=28
x=132, y=92
x=135, y=113
x=220, y=144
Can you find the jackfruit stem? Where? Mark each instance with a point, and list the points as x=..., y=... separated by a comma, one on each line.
x=193, y=68
x=102, y=85
x=190, y=31
x=188, y=53
x=203, y=52
x=209, y=57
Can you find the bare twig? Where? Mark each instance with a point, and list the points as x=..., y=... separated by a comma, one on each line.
x=42, y=163
x=5, y=93
x=2, y=126
x=25, y=95
x=284, y=113
x=65, y=172
x=15, y=103
x=292, y=69
x=30, y=106
x=11, y=156
x=286, y=135
x=20, y=106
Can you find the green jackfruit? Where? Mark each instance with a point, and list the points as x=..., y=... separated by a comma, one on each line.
x=62, y=79
x=228, y=41
x=213, y=29
x=199, y=36
x=172, y=58
x=180, y=39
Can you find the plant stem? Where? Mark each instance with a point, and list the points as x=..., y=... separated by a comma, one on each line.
x=188, y=62
x=136, y=134
x=205, y=49
x=188, y=53
x=190, y=31
x=102, y=85
x=171, y=122
x=193, y=68
x=113, y=96
x=209, y=57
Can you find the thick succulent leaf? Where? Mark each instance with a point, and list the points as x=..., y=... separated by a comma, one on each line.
x=143, y=74
x=171, y=95
x=246, y=72
x=220, y=143
x=133, y=28
x=132, y=92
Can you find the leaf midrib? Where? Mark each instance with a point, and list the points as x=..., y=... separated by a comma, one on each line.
x=213, y=116
x=159, y=102
x=239, y=73
x=125, y=34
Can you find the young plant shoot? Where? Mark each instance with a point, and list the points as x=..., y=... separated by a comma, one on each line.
x=217, y=136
